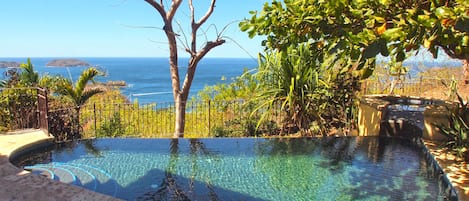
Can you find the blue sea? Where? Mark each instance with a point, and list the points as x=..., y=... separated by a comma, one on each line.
x=148, y=79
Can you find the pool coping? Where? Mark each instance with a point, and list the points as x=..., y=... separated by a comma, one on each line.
x=21, y=185
x=446, y=186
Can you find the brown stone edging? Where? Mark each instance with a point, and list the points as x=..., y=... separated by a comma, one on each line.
x=445, y=184
x=20, y=185
x=456, y=169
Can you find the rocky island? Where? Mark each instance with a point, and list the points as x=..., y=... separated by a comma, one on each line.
x=9, y=64
x=67, y=63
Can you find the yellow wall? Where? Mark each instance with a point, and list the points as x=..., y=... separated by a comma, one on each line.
x=370, y=112
x=435, y=115
x=369, y=120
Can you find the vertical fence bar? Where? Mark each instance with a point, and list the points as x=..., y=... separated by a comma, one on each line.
x=420, y=85
x=94, y=118
x=209, y=119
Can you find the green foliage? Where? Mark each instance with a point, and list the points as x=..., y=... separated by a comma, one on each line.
x=28, y=76
x=342, y=28
x=306, y=90
x=241, y=88
x=64, y=125
x=17, y=101
x=360, y=30
x=292, y=81
x=236, y=105
x=80, y=93
x=18, y=108
x=25, y=76
x=457, y=130
x=111, y=128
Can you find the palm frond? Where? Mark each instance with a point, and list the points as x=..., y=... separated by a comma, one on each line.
x=85, y=77
x=88, y=93
x=28, y=76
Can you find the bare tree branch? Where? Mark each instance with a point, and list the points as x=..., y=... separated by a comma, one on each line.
x=172, y=11
x=207, y=15
x=185, y=43
x=159, y=7
x=195, y=26
x=210, y=45
x=193, y=49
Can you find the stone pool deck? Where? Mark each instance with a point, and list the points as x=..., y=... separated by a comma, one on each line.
x=20, y=185
x=456, y=169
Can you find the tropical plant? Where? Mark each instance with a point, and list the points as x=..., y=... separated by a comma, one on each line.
x=457, y=129
x=291, y=80
x=79, y=93
x=18, y=98
x=24, y=76
x=361, y=30
x=28, y=76
x=316, y=96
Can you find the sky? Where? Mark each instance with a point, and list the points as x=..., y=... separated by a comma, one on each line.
x=113, y=28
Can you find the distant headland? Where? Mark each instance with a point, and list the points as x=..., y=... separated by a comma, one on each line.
x=67, y=63
x=9, y=64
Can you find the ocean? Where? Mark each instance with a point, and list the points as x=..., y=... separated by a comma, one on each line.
x=148, y=79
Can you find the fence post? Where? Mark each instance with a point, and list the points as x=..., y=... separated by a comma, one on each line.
x=94, y=114
x=209, y=119
x=420, y=86
x=42, y=108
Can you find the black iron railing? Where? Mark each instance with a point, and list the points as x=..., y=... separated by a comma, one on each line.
x=422, y=86
x=22, y=108
x=203, y=119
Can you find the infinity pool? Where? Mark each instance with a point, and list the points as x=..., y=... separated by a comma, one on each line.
x=346, y=168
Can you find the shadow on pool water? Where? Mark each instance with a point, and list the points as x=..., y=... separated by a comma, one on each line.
x=346, y=168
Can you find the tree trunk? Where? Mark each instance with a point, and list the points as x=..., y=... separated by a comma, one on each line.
x=180, y=105
x=180, y=95
x=465, y=69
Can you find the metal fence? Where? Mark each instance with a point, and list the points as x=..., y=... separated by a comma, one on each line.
x=203, y=119
x=421, y=86
x=23, y=108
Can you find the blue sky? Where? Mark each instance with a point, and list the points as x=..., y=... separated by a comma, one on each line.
x=108, y=28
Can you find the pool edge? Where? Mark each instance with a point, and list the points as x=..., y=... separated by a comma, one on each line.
x=443, y=180
x=21, y=185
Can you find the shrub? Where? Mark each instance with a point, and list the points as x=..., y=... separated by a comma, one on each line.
x=457, y=130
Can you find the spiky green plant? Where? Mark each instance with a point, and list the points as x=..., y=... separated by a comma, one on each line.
x=79, y=93
x=292, y=81
x=28, y=76
x=457, y=129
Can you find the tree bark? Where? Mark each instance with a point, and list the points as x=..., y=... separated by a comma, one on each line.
x=180, y=122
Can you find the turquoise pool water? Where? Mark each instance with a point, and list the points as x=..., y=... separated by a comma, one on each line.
x=348, y=168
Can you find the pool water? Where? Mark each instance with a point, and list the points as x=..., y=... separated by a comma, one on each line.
x=345, y=168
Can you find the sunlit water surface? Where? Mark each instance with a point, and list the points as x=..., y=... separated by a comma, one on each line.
x=349, y=168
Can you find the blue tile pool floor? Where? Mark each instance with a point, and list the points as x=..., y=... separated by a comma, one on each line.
x=346, y=168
